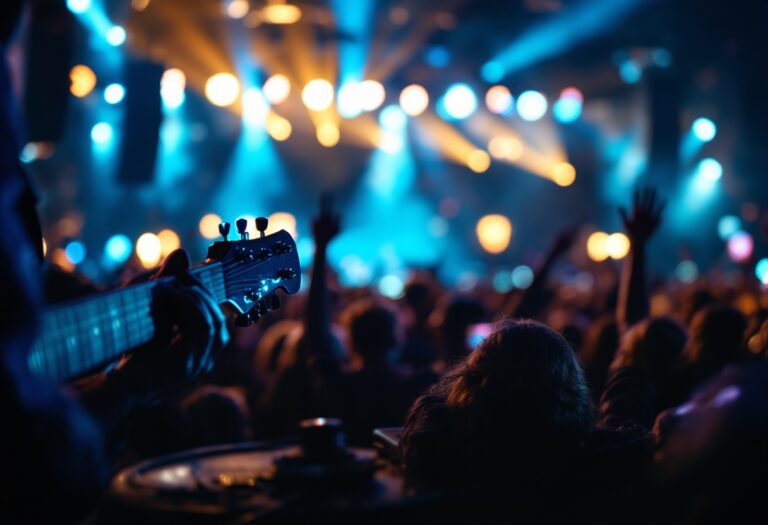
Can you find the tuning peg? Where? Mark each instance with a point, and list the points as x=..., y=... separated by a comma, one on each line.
x=261, y=225
x=224, y=230
x=242, y=225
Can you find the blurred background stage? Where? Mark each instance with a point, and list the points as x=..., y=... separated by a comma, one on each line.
x=456, y=135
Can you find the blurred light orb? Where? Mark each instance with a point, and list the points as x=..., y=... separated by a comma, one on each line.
x=280, y=13
x=522, y=277
x=567, y=110
x=355, y=271
x=531, y=105
x=572, y=92
x=371, y=94
x=704, y=129
x=349, y=101
x=317, y=95
x=662, y=57
x=391, y=286
x=597, y=248
x=169, y=241
x=172, y=85
x=276, y=89
x=209, y=226
x=498, y=100
x=414, y=100
x=710, y=169
x=391, y=143
x=282, y=220
x=631, y=72
x=78, y=6
x=494, y=233
x=505, y=148
x=140, y=5
x=479, y=161
x=727, y=226
x=459, y=101
x=82, y=79
x=740, y=247
x=328, y=134
x=437, y=56
x=118, y=248
x=238, y=8
x=102, y=133
x=222, y=89
x=116, y=36
x=255, y=107
x=278, y=127
x=687, y=271
x=114, y=93
x=149, y=250
x=392, y=118
x=502, y=281
x=75, y=251
x=761, y=270
x=438, y=227
x=492, y=72
x=563, y=174
x=617, y=245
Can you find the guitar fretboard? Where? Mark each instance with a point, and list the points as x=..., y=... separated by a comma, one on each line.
x=79, y=336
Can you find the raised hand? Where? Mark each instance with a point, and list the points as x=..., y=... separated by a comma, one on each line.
x=645, y=216
x=326, y=225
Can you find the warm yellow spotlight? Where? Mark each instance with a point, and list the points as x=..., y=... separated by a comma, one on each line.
x=597, y=246
x=317, y=94
x=222, y=89
x=479, y=161
x=83, y=80
x=371, y=95
x=563, y=174
x=281, y=14
x=238, y=8
x=149, y=250
x=209, y=226
x=414, y=100
x=617, y=245
x=169, y=241
x=278, y=127
x=505, y=148
x=498, y=99
x=276, y=89
x=282, y=221
x=139, y=5
x=494, y=233
x=328, y=134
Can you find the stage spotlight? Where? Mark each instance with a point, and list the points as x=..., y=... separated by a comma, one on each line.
x=349, y=101
x=116, y=36
x=118, y=248
x=597, y=246
x=494, y=233
x=328, y=134
x=75, y=252
x=317, y=95
x=531, y=106
x=280, y=13
x=222, y=89
x=255, y=107
x=687, y=271
x=392, y=118
x=563, y=174
x=102, y=133
x=740, y=247
x=172, y=85
x=414, y=100
x=78, y=6
x=149, y=250
x=371, y=95
x=617, y=245
x=209, y=226
x=498, y=99
x=282, y=220
x=83, y=80
x=238, y=8
x=710, y=169
x=459, y=101
x=391, y=143
x=761, y=271
x=276, y=89
x=278, y=127
x=727, y=226
x=114, y=93
x=522, y=277
x=479, y=161
x=505, y=148
x=704, y=129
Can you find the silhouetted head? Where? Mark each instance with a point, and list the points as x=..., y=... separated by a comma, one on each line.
x=655, y=345
x=519, y=400
x=716, y=337
x=420, y=297
x=452, y=317
x=372, y=330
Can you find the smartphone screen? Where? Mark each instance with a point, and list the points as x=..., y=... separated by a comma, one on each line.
x=477, y=333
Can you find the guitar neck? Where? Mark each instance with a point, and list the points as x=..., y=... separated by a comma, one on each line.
x=79, y=336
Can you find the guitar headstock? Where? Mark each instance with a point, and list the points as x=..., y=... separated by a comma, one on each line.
x=254, y=269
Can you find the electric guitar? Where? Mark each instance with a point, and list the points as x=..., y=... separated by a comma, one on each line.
x=80, y=336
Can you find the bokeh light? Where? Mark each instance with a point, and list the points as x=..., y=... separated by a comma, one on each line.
x=479, y=161
x=280, y=13
x=75, y=251
x=78, y=6
x=82, y=79
x=563, y=174
x=209, y=226
x=172, y=85
x=392, y=118
x=505, y=148
x=687, y=271
x=761, y=270
x=740, y=247
x=459, y=101
x=494, y=233
x=116, y=36
x=328, y=134
x=371, y=94
x=169, y=241
x=114, y=93
x=238, y=8
x=531, y=106
x=414, y=100
x=255, y=107
x=704, y=129
x=727, y=226
x=282, y=220
x=102, y=133
x=222, y=89
x=391, y=286
x=498, y=100
x=710, y=169
x=149, y=250
x=522, y=277
x=278, y=127
x=118, y=248
x=317, y=95
x=617, y=245
x=276, y=89
x=597, y=249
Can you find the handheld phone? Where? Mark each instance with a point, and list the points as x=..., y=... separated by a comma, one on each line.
x=477, y=333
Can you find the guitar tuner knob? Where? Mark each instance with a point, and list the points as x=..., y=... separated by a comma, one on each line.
x=224, y=230
x=286, y=273
x=248, y=318
x=280, y=247
x=242, y=225
x=261, y=225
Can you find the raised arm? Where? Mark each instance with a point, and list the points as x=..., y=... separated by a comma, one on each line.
x=640, y=224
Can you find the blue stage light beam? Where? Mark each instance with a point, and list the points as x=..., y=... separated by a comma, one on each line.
x=702, y=130
x=353, y=19
x=562, y=31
